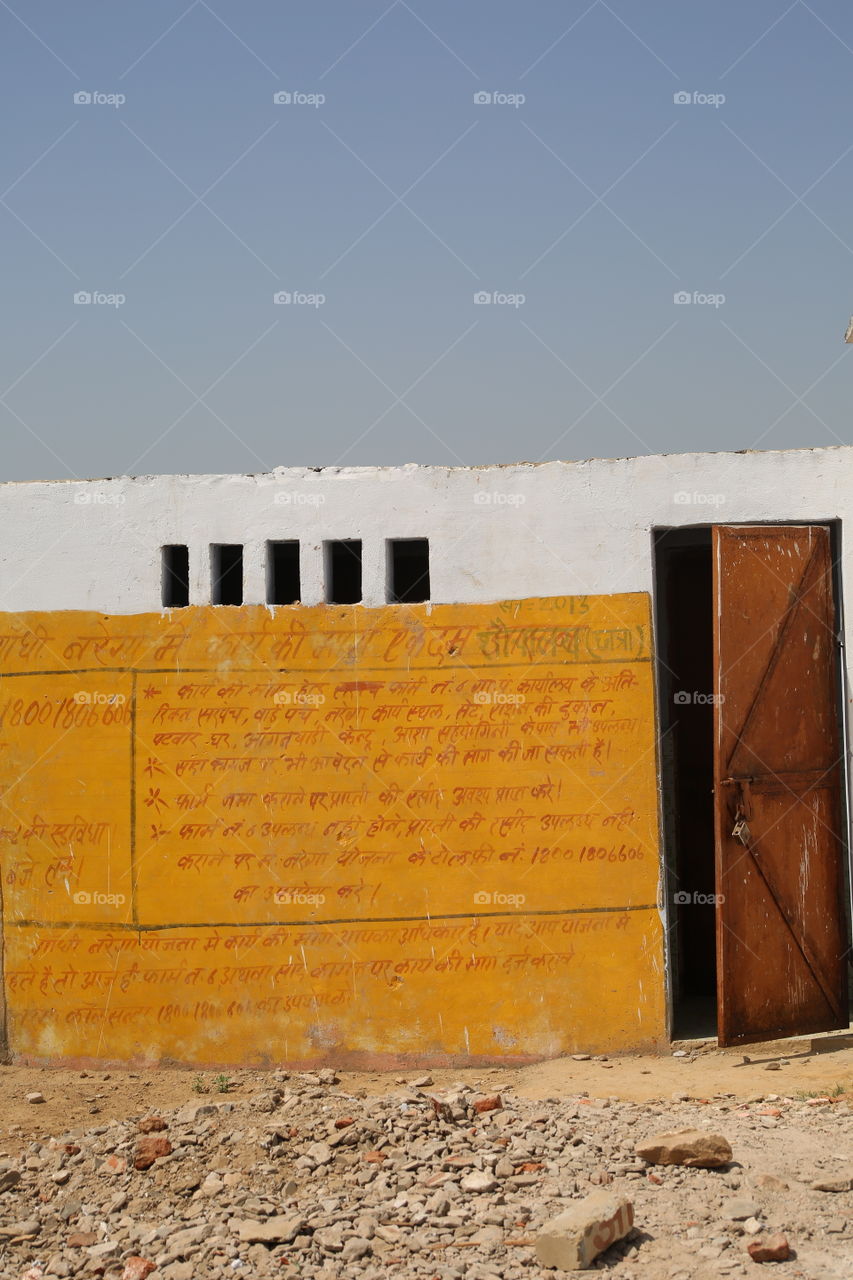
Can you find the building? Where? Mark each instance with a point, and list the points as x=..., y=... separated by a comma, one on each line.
x=386, y=765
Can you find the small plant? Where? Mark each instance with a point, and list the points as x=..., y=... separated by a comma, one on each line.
x=200, y=1085
x=223, y=1084
x=837, y=1091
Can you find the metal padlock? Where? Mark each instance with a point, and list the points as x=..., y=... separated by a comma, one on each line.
x=740, y=831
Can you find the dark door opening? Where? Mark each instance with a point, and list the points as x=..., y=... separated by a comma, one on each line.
x=684, y=630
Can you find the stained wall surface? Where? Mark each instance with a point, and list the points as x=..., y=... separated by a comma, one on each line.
x=348, y=834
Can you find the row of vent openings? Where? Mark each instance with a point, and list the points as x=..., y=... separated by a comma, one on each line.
x=408, y=572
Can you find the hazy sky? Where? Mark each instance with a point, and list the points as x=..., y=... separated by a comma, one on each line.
x=381, y=197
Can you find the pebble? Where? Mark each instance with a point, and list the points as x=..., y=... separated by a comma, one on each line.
x=739, y=1208
x=478, y=1181
x=833, y=1184
x=26, y=1227
x=276, y=1230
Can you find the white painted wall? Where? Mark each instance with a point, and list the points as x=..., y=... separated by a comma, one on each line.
x=554, y=528
x=495, y=533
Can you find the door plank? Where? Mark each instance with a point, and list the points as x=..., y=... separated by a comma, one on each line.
x=781, y=966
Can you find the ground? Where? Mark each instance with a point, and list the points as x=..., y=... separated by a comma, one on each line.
x=387, y=1189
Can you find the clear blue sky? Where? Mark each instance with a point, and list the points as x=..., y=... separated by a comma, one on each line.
x=398, y=198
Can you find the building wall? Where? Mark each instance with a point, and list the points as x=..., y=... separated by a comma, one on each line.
x=496, y=533
x=498, y=537
x=417, y=833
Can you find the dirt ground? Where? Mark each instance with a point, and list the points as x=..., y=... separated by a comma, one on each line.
x=806, y=1066
x=444, y=1175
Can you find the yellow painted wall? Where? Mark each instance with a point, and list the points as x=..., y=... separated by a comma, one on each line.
x=346, y=834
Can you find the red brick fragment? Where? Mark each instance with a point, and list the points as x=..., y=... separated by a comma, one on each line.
x=150, y=1149
x=151, y=1124
x=492, y=1103
x=136, y=1268
x=344, y=1122
x=773, y=1248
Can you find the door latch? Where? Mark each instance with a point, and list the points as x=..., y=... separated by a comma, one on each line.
x=740, y=831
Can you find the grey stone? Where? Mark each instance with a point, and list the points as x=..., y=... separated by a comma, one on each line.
x=478, y=1181
x=26, y=1227
x=281, y=1229
x=739, y=1208
x=355, y=1248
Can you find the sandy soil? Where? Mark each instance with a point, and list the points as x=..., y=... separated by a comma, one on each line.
x=805, y=1066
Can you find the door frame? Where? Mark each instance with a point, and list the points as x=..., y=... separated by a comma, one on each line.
x=666, y=826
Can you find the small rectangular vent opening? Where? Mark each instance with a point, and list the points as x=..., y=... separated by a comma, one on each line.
x=408, y=570
x=226, y=573
x=343, y=571
x=175, y=577
x=283, y=583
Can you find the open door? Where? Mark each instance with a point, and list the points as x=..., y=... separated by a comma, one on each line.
x=781, y=949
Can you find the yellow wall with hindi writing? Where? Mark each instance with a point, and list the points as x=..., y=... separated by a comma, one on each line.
x=241, y=835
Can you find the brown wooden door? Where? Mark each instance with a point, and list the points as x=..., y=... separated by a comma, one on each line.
x=781, y=949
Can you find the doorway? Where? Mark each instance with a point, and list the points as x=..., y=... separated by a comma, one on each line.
x=685, y=667
x=752, y=765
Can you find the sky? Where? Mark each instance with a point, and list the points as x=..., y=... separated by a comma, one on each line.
x=241, y=234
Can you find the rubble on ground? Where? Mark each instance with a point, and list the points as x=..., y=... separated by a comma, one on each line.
x=303, y=1178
